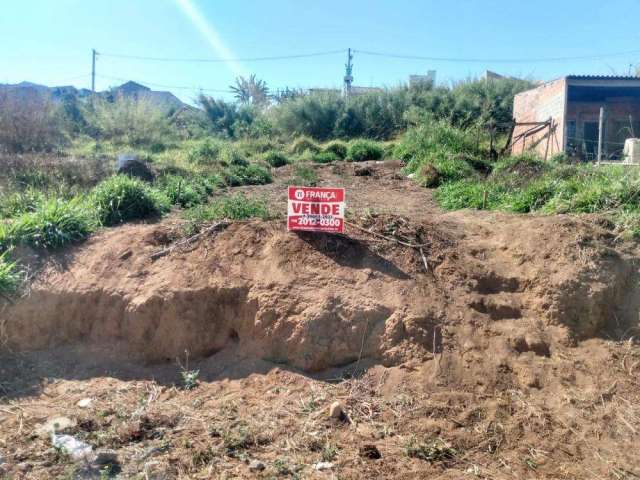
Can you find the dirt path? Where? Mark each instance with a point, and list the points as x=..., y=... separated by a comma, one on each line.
x=384, y=189
x=511, y=355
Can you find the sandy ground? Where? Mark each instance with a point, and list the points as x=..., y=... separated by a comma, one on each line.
x=502, y=347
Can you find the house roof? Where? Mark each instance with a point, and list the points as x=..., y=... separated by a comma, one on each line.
x=602, y=77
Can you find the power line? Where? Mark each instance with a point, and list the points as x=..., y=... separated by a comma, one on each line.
x=176, y=87
x=497, y=60
x=222, y=60
x=372, y=53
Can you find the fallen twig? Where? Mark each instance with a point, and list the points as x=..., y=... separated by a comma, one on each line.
x=418, y=247
x=216, y=227
x=424, y=259
x=391, y=239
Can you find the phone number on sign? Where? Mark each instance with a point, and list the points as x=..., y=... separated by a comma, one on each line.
x=313, y=221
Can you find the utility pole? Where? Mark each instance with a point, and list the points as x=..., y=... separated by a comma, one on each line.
x=93, y=70
x=348, y=77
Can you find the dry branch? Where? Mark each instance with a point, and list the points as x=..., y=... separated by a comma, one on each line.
x=214, y=228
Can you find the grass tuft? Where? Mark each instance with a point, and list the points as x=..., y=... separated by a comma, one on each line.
x=53, y=224
x=234, y=207
x=276, y=158
x=10, y=276
x=120, y=199
x=338, y=148
x=236, y=176
x=361, y=150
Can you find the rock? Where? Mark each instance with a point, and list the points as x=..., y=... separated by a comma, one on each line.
x=75, y=448
x=363, y=171
x=105, y=457
x=152, y=452
x=256, y=466
x=336, y=411
x=537, y=344
x=321, y=466
x=55, y=424
x=23, y=467
x=84, y=403
x=155, y=471
x=132, y=165
x=370, y=451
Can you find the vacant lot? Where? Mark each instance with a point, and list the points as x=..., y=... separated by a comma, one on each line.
x=496, y=346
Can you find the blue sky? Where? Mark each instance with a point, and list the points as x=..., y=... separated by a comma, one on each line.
x=50, y=42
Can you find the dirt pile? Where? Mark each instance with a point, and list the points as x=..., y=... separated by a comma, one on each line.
x=497, y=347
x=318, y=301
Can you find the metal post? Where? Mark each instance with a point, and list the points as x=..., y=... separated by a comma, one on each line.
x=348, y=77
x=600, y=134
x=546, y=150
x=93, y=70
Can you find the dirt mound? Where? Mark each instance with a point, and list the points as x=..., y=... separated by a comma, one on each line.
x=460, y=345
x=320, y=301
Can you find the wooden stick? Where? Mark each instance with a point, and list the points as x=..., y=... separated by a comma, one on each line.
x=213, y=228
x=391, y=239
x=546, y=150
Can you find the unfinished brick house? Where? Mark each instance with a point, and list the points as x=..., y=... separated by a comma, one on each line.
x=563, y=115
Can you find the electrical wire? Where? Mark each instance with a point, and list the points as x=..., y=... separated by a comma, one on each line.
x=496, y=60
x=221, y=60
x=176, y=87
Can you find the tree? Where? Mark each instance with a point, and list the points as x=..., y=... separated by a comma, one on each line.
x=251, y=90
x=221, y=114
x=287, y=94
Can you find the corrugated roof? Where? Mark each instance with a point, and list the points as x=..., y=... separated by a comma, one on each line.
x=602, y=77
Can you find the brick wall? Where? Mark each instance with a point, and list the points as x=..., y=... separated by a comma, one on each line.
x=538, y=105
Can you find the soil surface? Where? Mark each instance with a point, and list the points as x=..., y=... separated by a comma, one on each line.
x=496, y=346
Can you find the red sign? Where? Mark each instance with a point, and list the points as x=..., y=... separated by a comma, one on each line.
x=316, y=209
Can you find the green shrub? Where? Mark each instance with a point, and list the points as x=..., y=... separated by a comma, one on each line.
x=338, y=148
x=236, y=176
x=183, y=191
x=121, y=198
x=361, y=150
x=137, y=122
x=230, y=155
x=5, y=236
x=205, y=153
x=431, y=141
x=255, y=146
x=461, y=194
x=389, y=149
x=33, y=177
x=10, y=277
x=451, y=168
x=324, y=157
x=235, y=207
x=30, y=123
x=53, y=224
x=529, y=198
x=275, y=158
x=302, y=144
x=527, y=164
x=314, y=115
x=303, y=176
x=524, y=185
x=16, y=203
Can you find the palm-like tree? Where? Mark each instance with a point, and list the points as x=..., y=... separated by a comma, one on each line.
x=251, y=90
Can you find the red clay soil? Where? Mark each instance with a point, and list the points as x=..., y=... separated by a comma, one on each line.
x=501, y=349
